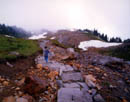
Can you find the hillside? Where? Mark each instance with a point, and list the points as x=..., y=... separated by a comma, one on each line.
x=11, y=48
x=72, y=74
x=122, y=51
x=13, y=31
x=73, y=38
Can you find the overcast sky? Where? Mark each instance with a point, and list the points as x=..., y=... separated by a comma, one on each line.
x=111, y=17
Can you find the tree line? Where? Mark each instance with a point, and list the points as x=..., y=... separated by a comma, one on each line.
x=13, y=31
x=105, y=37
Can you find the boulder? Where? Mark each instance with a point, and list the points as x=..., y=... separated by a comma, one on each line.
x=10, y=65
x=59, y=83
x=34, y=85
x=73, y=95
x=98, y=98
x=71, y=76
x=71, y=85
x=20, y=82
x=14, y=53
x=9, y=99
x=39, y=66
x=89, y=79
x=21, y=100
x=5, y=83
x=70, y=50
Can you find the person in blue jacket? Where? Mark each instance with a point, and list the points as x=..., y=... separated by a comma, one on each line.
x=46, y=53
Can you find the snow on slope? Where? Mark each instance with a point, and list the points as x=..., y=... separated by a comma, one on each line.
x=95, y=43
x=52, y=38
x=38, y=36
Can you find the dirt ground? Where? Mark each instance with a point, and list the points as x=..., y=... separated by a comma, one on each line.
x=20, y=68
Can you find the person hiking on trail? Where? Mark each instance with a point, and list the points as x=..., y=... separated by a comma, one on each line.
x=46, y=53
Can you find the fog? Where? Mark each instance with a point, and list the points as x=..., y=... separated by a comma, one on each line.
x=111, y=17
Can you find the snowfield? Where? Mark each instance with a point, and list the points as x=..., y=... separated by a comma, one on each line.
x=52, y=38
x=96, y=43
x=39, y=36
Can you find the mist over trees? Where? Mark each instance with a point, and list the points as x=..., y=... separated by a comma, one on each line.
x=13, y=31
x=104, y=37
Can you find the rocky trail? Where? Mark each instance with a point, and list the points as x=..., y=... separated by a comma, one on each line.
x=72, y=87
x=69, y=77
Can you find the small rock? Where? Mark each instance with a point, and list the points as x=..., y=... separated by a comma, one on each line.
x=21, y=82
x=105, y=74
x=20, y=93
x=71, y=85
x=94, y=91
x=14, y=53
x=34, y=85
x=39, y=66
x=98, y=86
x=17, y=89
x=29, y=98
x=72, y=76
x=9, y=99
x=111, y=86
x=5, y=83
x=59, y=83
x=89, y=79
x=8, y=64
x=98, y=98
x=1, y=90
x=71, y=50
x=90, y=83
x=21, y=100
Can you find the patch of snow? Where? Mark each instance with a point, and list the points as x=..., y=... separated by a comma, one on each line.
x=72, y=29
x=96, y=43
x=38, y=36
x=9, y=36
x=52, y=38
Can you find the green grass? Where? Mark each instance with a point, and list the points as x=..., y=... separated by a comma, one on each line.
x=23, y=47
x=57, y=43
x=92, y=37
x=122, y=51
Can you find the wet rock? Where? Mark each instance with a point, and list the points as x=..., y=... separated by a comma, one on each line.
x=73, y=95
x=98, y=98
x=34, y=85
x=83, y=86
x=9, y=99
x=94, y=91
x=21, y=100
x=71, y=85
x=72, y=76
x=68, y=68
x=59, y=83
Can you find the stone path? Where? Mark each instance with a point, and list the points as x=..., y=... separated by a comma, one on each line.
x=71, y=83
x=72, y=86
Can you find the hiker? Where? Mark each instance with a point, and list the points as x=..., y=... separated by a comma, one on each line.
x=46, y=53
